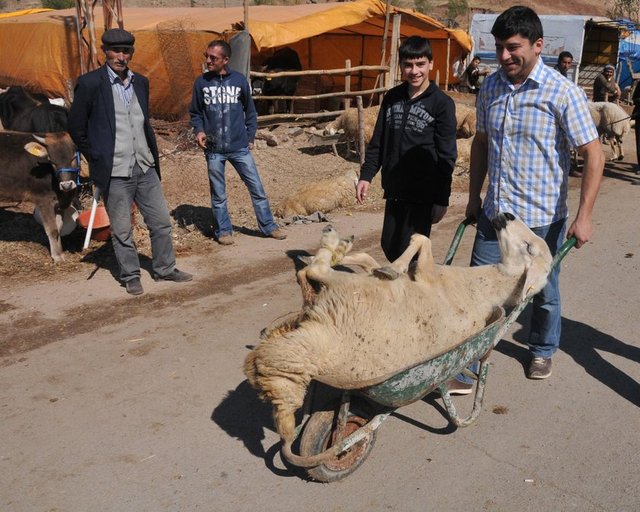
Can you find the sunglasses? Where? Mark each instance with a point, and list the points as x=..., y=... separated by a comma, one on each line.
x=212, y=58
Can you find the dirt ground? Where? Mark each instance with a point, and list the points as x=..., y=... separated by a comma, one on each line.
x=285, y=168
x=118, y=403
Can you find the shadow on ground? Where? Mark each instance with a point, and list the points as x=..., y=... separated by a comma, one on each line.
x=584, y=344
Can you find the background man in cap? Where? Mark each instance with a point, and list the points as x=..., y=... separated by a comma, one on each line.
x=605, y=87
x=109, y=122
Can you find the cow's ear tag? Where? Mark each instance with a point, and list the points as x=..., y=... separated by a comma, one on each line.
x=35, y=149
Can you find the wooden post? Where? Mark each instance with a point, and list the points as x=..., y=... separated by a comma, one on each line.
x=361, y=147
x=111, y=8
x=245, y=8
x=79, y=17
x=446, y=73
x=84, y=19
x=395, y=43
x=347, y=83
x=384, y=40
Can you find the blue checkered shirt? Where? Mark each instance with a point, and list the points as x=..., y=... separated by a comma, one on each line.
x=530, y=130
x=123, y=89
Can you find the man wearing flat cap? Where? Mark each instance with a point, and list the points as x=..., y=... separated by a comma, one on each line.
x=109, y=122
x=605, y=87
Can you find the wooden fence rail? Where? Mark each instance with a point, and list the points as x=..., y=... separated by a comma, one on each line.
x=345, y=94
x=311, y=72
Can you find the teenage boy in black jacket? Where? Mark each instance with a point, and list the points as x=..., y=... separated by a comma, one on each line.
x=414, y=143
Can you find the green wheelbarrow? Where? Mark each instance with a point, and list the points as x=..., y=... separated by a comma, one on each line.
x=333, y=443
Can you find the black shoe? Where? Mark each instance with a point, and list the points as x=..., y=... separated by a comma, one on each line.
x=177, y=276
x=134, y=286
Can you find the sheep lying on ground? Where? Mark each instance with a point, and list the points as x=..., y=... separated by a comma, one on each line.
x=465, y=121
x=358, y=329
x=613, y=123
x=348, y=121
x=320, y=196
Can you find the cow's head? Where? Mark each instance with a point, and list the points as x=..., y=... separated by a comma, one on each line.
x=522, y=252
x=58, y=150
x=257, y=86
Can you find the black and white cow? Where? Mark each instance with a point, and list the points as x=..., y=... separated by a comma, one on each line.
x=22, y=111
x=40, y=168
x=284, y=59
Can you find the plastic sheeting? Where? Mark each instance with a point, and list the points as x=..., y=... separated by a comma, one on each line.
x=40, y=50
x=628, y=51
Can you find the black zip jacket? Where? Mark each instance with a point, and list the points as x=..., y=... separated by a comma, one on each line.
x=414, y=142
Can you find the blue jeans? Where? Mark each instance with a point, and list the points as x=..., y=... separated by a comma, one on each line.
x=244, y=164
x=144, y=189
x=546, y=317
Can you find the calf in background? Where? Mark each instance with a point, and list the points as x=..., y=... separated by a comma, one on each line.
x=284, y=59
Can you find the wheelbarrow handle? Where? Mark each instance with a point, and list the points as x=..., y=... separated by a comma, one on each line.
x=453, y=248
x=562, y=252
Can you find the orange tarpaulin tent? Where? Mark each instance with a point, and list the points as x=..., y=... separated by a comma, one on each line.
x=40, y=50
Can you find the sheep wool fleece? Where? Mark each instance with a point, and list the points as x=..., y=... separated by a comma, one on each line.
x=414, y=142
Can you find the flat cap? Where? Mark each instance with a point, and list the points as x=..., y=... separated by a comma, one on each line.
x=118, y=37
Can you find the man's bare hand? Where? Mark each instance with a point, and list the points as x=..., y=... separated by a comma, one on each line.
x=201, y=139
x=361, y=191
x=582, y=230
x=474, y=208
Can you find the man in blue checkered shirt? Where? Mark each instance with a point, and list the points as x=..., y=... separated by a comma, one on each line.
x=528, y=118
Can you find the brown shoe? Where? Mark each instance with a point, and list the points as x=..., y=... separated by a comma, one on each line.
x=225, y=240
x=539, y=368
x=278, y=234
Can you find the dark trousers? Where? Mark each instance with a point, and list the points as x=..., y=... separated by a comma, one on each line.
x=401, y=220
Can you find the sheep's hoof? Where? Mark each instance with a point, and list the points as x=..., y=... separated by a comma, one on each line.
x=306, y=260
x=386, y=273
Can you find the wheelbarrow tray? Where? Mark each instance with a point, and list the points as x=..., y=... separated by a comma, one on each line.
x=410, y=385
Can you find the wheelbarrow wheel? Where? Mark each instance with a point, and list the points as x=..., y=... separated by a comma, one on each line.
x=320, y=433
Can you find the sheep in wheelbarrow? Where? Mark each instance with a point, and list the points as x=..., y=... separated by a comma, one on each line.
x=360, y=329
